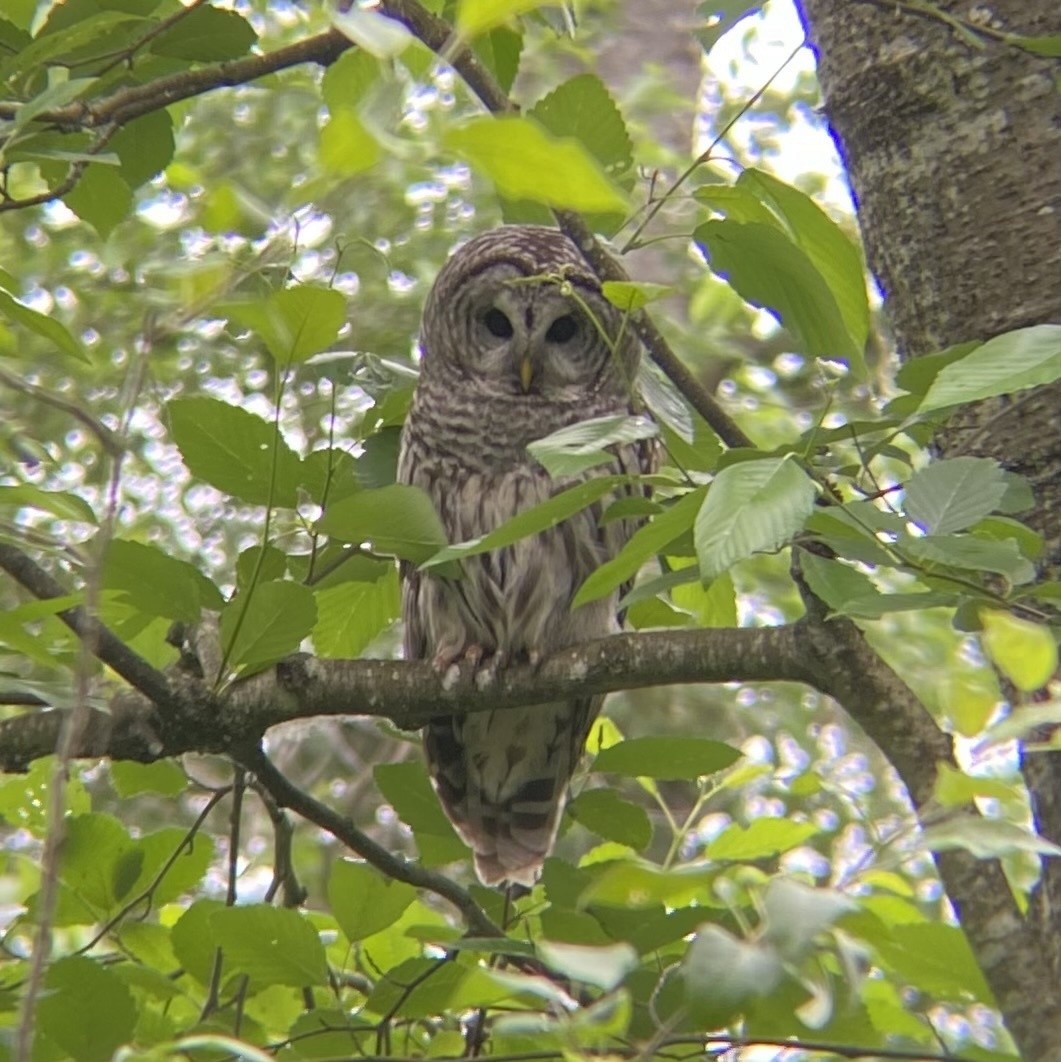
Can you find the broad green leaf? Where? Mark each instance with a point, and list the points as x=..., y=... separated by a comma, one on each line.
x=475, y=16
x=955, y=788
x=259, y=564
x=526, y=162
x=499, y=50
x=761, y=839
x=206, y=34
x=363, y=900
x=985, y=838
x=1027, y=357
x=95, y=850
x=794, y=914
x=548, y=514
x=279, y=616
x=130, y=778
x=583, y=108
x=936, y=958
x=722, y=975
x=1025, y=652
x=293, y=323
x=46, y=327
x=662, y=757
x=157, y=583
x=629, y=296
x=347, y=148
x=351, y=614
x=604, y=967
x=102, y=197
x=193, y=939
x=347, y=81
x=970, y=552
x=235, y=451
x=45, y=47
x=272, y=945
x=834, y=254
x=56, y=95
x=84, y=1010
x=848, y=592
x=753, y=506
x=25, y=798
x=953, y=494
x=398, y=520
x=407, y=790
x=766, y=268
x=917, y=375
x=582, y=446
x=145, y=147
x=714, y=605
x=609, y=816
x=631, y=884
x=720, y=16
x=63, y=504
x=185, y=862
x=646, y=542
x=373, y=31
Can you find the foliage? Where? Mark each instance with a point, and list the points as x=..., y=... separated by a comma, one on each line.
x=205, y=344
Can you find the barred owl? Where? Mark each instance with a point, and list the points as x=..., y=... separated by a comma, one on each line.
x=512, y=350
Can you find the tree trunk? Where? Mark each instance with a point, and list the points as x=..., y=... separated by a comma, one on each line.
x=953, y=154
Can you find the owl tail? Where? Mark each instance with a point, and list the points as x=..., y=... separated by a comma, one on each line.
x=502, y=778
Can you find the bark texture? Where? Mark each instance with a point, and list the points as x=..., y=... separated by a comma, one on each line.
x=954, y=155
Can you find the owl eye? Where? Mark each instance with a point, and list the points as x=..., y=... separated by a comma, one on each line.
x=562, y=329
x=497, y=324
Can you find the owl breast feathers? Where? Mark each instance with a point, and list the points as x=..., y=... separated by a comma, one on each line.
x=512, y=350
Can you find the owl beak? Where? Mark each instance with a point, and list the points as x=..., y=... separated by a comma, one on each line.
x=526, y=372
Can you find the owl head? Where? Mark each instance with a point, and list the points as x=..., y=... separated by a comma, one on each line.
x=517, y=311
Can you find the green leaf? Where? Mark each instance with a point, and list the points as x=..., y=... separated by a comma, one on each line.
x=1025, y=652
x=609, y=816
x=475, y=16
x=848, y=592
x=986, y=838
x=936, y=958
x=531, y=521
x=101, y=197
x=662, y=757
x=972, y=553
x=235, y=451
x=259, y=564
x=582, y=446
x=1010, y=362
x=582, y=108
x=766, y=268
x=646, y=542
x=157, y=583
x=351, y=614
x=525, y=162
x=604, y=967
x=347, y=148
x=499, y=51
x=952, y=495
x=84, y=1010
x=722, y=975
x=293, y=323
x=1047, y=45
x=407, y=790
x=60, y=503
x=130, y=778
x=629, y=296
x=48, y=46
x=720, y=17
x=363, y=900
x=955, y=788
x=183, y=874
x=272, y=945
x=206, y=34
x=398, y=520
x=279, y=616
x=46, y=327
x=145, y=147
x=347, y=81
x=753, y=506
x=794, y=914
x=761, y=839
x=835, y=256
x=193, y=940
x=95, y=850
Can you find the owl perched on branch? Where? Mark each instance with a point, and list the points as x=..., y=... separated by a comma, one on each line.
x=517, y=342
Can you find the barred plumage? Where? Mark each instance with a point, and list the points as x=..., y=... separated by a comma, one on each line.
x=511, y=352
